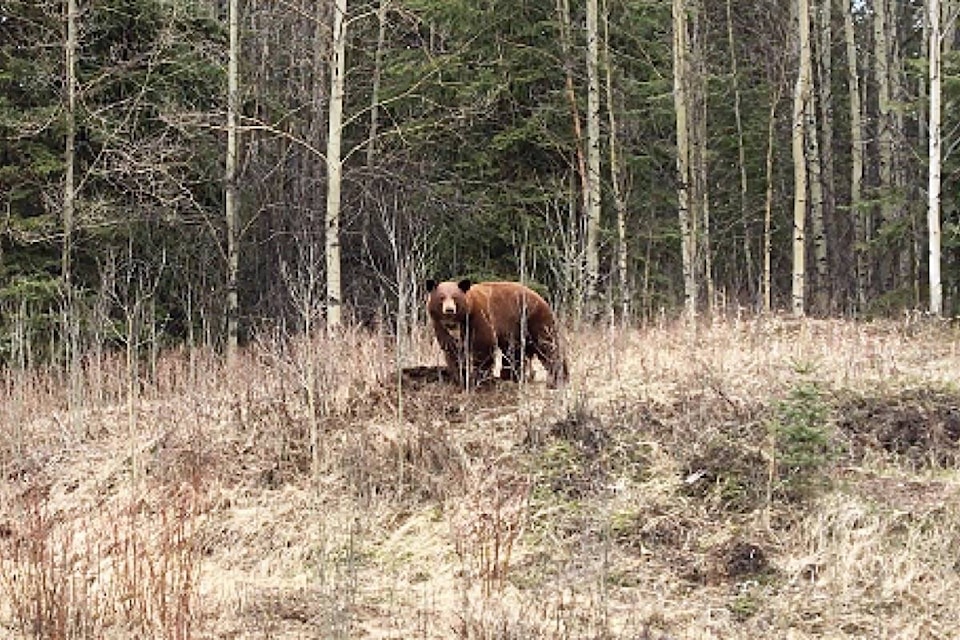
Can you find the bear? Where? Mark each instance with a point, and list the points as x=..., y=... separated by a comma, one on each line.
x=471, y=321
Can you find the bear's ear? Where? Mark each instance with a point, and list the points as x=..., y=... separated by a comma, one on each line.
x=465, y=285
x=431, y=285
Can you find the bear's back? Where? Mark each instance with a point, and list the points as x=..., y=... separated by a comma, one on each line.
x=507, y=305
x=515, y=292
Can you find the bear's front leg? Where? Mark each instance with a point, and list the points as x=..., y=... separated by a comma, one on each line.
x=454, y=352
x=483, y=364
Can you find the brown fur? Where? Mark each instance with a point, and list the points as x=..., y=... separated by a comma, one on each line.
x=471, y=321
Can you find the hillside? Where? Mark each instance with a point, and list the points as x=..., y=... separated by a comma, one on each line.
x=741, y=479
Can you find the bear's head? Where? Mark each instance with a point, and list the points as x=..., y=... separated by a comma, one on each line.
x=447, y=302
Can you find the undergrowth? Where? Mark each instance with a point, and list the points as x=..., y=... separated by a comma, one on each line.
x=303, y=491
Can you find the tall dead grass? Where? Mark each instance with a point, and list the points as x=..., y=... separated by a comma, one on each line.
x=308, y=489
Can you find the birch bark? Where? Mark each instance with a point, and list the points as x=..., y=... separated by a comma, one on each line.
x=592, y=247
x=825, y=284
x=680, y=100
x=69, y=149
x=933, y=188
x=801, y=98
x=335, y=166
x=230, y=181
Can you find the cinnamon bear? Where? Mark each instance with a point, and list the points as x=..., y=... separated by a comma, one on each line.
x=471, y=321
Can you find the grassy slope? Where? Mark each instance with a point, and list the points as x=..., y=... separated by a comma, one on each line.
x=648, y=499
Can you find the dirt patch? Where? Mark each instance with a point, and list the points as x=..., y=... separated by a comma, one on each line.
x=919, y=425
x=424, y=375
x=739, y=559
x=902, y=493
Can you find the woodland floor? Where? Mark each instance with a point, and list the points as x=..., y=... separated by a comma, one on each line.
x=747, y=478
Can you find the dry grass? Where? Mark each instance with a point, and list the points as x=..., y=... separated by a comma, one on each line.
x=303, y=491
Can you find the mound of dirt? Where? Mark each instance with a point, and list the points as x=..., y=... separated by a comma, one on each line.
x=425, y=375
x=919, y=425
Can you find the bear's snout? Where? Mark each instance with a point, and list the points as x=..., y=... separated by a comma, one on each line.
x=449, y=307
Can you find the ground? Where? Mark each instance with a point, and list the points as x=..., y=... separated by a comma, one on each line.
x=742, y=478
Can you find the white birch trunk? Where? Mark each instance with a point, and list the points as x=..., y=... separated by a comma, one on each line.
x=933, y=188
x=801, y=98
x=816, y=190
x=825, y=283
x=592, y=213
x=230, y=180
x=69, y=151
x=680, y=100
x=71, y=323
x=335, y=166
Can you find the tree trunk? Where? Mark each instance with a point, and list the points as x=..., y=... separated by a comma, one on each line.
x=909, y=245
x=592, y=249
x=826, y=269
x=933, y=188
x=768, y=200
x=703, y=226
x=816, y=186
x=71, y=323
x=69, y=150
x=801, y=98
x=697, y=94
x=373, y=128
x=680, y=100
x=375, y=83
x=856, y=158
x=741, y=156
x=335, y=166
x=566, y=46
x=616, y=177
x=884, y=134
x=230, y=181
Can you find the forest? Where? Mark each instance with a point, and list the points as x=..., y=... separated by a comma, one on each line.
x=167, y=180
